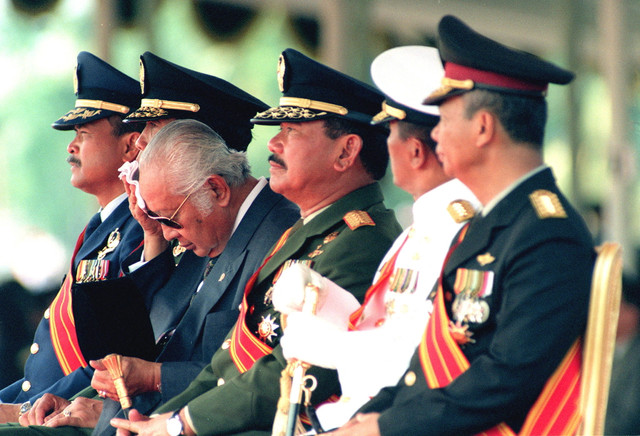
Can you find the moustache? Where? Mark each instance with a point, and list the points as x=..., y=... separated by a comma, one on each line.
x=73, y=160
x=275, y=159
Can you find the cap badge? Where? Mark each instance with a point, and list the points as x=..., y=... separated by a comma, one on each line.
x=461, y=210
x=547, y=204
x=75, y=80
x=281, y=69
x=141, y=76
x=358, y=218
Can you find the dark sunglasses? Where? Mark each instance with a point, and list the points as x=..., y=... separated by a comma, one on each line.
x=169, y=222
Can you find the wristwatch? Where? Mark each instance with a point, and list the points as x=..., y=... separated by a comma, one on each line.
x=24, y=408
x=174, y=425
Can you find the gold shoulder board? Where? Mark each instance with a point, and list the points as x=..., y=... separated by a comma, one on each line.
x=461, y=210
x=358, y=218
x=547, y=204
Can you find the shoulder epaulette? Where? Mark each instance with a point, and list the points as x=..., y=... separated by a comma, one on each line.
x=358, y=218
x=547, y=204
x=461, y=210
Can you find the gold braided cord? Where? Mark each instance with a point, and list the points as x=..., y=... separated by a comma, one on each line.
x=457, y=84
x=389, y=111
x=168, y=104
x=99, y=104
x=313, y=104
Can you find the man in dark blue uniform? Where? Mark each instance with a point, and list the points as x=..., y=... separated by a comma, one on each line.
x=513, y=295
x=101, y=145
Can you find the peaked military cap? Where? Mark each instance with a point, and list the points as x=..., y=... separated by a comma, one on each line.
x=312, y=91
x=172, y=91
x=406, y=75
x=101, y=91
x=472, y=61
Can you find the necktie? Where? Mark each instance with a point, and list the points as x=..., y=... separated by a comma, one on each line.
x=209, y=267
x=94, y=222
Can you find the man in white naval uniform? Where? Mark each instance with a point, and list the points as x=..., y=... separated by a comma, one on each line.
x=371, y=345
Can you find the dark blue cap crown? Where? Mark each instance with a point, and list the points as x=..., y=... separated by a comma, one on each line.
x=172, y=91
x=313, y=91
x=101, y=91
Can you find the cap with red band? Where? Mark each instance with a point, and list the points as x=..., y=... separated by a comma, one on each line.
x=473, y=61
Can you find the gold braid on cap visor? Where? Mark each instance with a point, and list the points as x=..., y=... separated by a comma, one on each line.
x=449, y=85
x=99, y=104
x=313, y=104
x=389, y=111
x=167, y=104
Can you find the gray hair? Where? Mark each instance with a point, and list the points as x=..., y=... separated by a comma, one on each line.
x=187, y=152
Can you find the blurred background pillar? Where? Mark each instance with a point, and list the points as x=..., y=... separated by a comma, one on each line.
x=613, y=28
x=345, y=35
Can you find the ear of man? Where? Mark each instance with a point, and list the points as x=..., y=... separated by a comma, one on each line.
x=484, y=127
x=349, y=147
x=419, y=153
x=130, y=150
x=220, y=190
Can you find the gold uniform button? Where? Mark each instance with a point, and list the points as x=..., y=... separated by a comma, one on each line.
x=220, y=381
x=47, y=313
x=226, y=344
x=26, y=385
x=35, y=348
x=410, y=378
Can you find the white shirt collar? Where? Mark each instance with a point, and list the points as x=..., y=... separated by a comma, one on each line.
x=111, y=206
x=308, y=218
x=244, y=207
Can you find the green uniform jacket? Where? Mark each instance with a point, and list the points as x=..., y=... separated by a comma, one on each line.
x=221, y=400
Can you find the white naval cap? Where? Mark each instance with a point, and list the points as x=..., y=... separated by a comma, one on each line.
x=406, y=75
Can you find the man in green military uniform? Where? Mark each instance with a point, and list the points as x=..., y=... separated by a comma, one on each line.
x=326, y=159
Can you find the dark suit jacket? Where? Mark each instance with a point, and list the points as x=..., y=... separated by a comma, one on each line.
x=42, y=369
x=203, y=322
x=221, y=400
x=537, y=308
